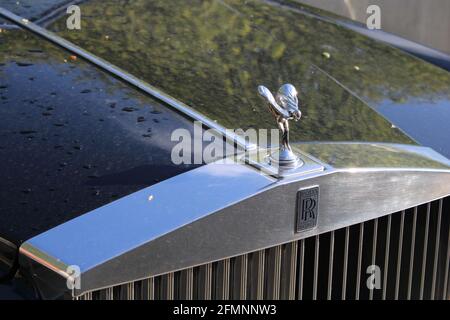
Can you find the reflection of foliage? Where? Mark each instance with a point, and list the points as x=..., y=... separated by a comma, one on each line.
x=385, y=72
x=356, y=155
x=212, y=55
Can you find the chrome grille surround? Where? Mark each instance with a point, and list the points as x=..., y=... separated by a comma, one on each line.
x=237, y=220
x=327, y=266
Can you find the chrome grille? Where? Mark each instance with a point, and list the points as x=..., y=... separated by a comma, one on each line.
x=410, y=247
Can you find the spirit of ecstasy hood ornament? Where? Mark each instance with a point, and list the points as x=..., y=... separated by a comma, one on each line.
x=283, y=107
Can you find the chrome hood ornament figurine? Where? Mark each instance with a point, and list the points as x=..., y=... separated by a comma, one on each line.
x=283, y=107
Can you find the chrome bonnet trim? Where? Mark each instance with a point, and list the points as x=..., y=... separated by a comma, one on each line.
x=219, y=211
x=126, y=77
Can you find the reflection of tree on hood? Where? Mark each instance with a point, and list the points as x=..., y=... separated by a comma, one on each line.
x=212, y=57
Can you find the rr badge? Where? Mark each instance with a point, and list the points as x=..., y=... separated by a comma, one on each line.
x=307, y=208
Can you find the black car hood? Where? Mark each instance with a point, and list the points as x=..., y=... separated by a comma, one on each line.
x=72, y=138
x=213, y=54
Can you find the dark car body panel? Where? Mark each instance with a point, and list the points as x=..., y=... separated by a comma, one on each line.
x=72, y=138
x=213, y=54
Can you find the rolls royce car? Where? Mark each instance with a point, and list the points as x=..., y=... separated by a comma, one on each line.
x=130, y=169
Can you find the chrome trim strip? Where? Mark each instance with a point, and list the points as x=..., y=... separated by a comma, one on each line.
x=126, y=77
x=44, y=259
x=131, y=231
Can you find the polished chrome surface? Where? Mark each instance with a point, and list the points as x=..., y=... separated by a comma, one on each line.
x=262, y=159
x=124, y=76
x=148, y=220
x=215, y=196
x=283, y=108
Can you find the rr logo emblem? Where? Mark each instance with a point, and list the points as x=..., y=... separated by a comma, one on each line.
x=307, y=208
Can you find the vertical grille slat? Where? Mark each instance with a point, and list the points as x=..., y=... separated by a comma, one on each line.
x=273, y=274
x=288, y=271
x=106, y=294
x=386, y=256
x=170, y=283
x=399, y=255
x=330, y=267
x=255, y=286
x=316, y=267
x=345, y=267
x=436, y=250
x=411, y=249
x=239, y=284
x=425, y=251
x=243, y=281
x=293, y=271
x=150, y=289
x=411, y=259
x=261, y=275
x=445, y=289
x=208, y=282
x=360, y=249
x=374, y=250
x=301, y=268
x=186, y=286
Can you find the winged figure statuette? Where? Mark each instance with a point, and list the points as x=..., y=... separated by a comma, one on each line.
x=284, y=107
